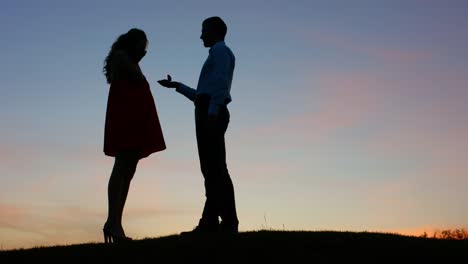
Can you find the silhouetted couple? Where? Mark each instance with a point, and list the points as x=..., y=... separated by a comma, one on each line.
x=133, y=131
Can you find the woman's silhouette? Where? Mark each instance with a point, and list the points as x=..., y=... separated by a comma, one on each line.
x=132, y=129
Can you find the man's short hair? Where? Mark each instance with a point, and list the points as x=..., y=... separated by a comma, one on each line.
x=217, y=24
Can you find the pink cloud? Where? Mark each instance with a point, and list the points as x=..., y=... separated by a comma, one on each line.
x=11, y=154
x=346, y=101
x=430, y=164
x=429, y=134
x=383, y=52
x=11, y=215
x=349, y=98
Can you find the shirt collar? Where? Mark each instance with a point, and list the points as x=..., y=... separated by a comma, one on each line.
x=219, y=43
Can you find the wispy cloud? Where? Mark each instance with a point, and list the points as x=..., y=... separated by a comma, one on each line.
x=346, y=100
x=371, y=48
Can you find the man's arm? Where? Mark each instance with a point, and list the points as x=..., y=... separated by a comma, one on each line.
x=188, y=92
x=220, y=80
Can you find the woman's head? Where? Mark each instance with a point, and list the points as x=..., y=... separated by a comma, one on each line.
x=133, y=43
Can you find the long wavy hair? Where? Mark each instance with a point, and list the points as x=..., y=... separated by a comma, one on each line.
x=125, y=42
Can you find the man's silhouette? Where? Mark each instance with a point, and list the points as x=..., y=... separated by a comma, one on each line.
x=212, y=118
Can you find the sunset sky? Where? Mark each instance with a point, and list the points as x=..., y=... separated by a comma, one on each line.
x=346, y=115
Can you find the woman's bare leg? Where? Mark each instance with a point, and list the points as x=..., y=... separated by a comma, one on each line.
x=119, y=184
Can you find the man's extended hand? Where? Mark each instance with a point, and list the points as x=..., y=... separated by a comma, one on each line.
x=168, y=83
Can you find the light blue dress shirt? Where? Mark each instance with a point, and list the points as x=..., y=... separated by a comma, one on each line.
x=215, y=78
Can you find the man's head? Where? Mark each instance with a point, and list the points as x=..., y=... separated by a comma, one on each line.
x=213, y=30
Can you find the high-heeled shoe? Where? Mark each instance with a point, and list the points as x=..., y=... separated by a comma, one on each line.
x=110, y=237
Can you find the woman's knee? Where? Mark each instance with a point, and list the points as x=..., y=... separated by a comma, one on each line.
x=127, y=161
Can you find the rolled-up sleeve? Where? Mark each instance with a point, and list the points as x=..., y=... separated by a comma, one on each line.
x=188, y=92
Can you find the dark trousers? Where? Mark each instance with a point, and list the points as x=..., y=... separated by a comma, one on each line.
x=219, y=190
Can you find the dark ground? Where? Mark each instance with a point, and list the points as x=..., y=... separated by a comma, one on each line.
x=256, y=247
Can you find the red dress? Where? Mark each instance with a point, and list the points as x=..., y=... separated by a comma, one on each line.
x=132, y=121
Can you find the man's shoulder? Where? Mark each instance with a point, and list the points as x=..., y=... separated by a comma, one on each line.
x=221, y=48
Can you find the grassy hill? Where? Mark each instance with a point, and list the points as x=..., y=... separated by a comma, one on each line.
x=263, y=246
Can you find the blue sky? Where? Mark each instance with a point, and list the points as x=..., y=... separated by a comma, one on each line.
x=344, y=116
